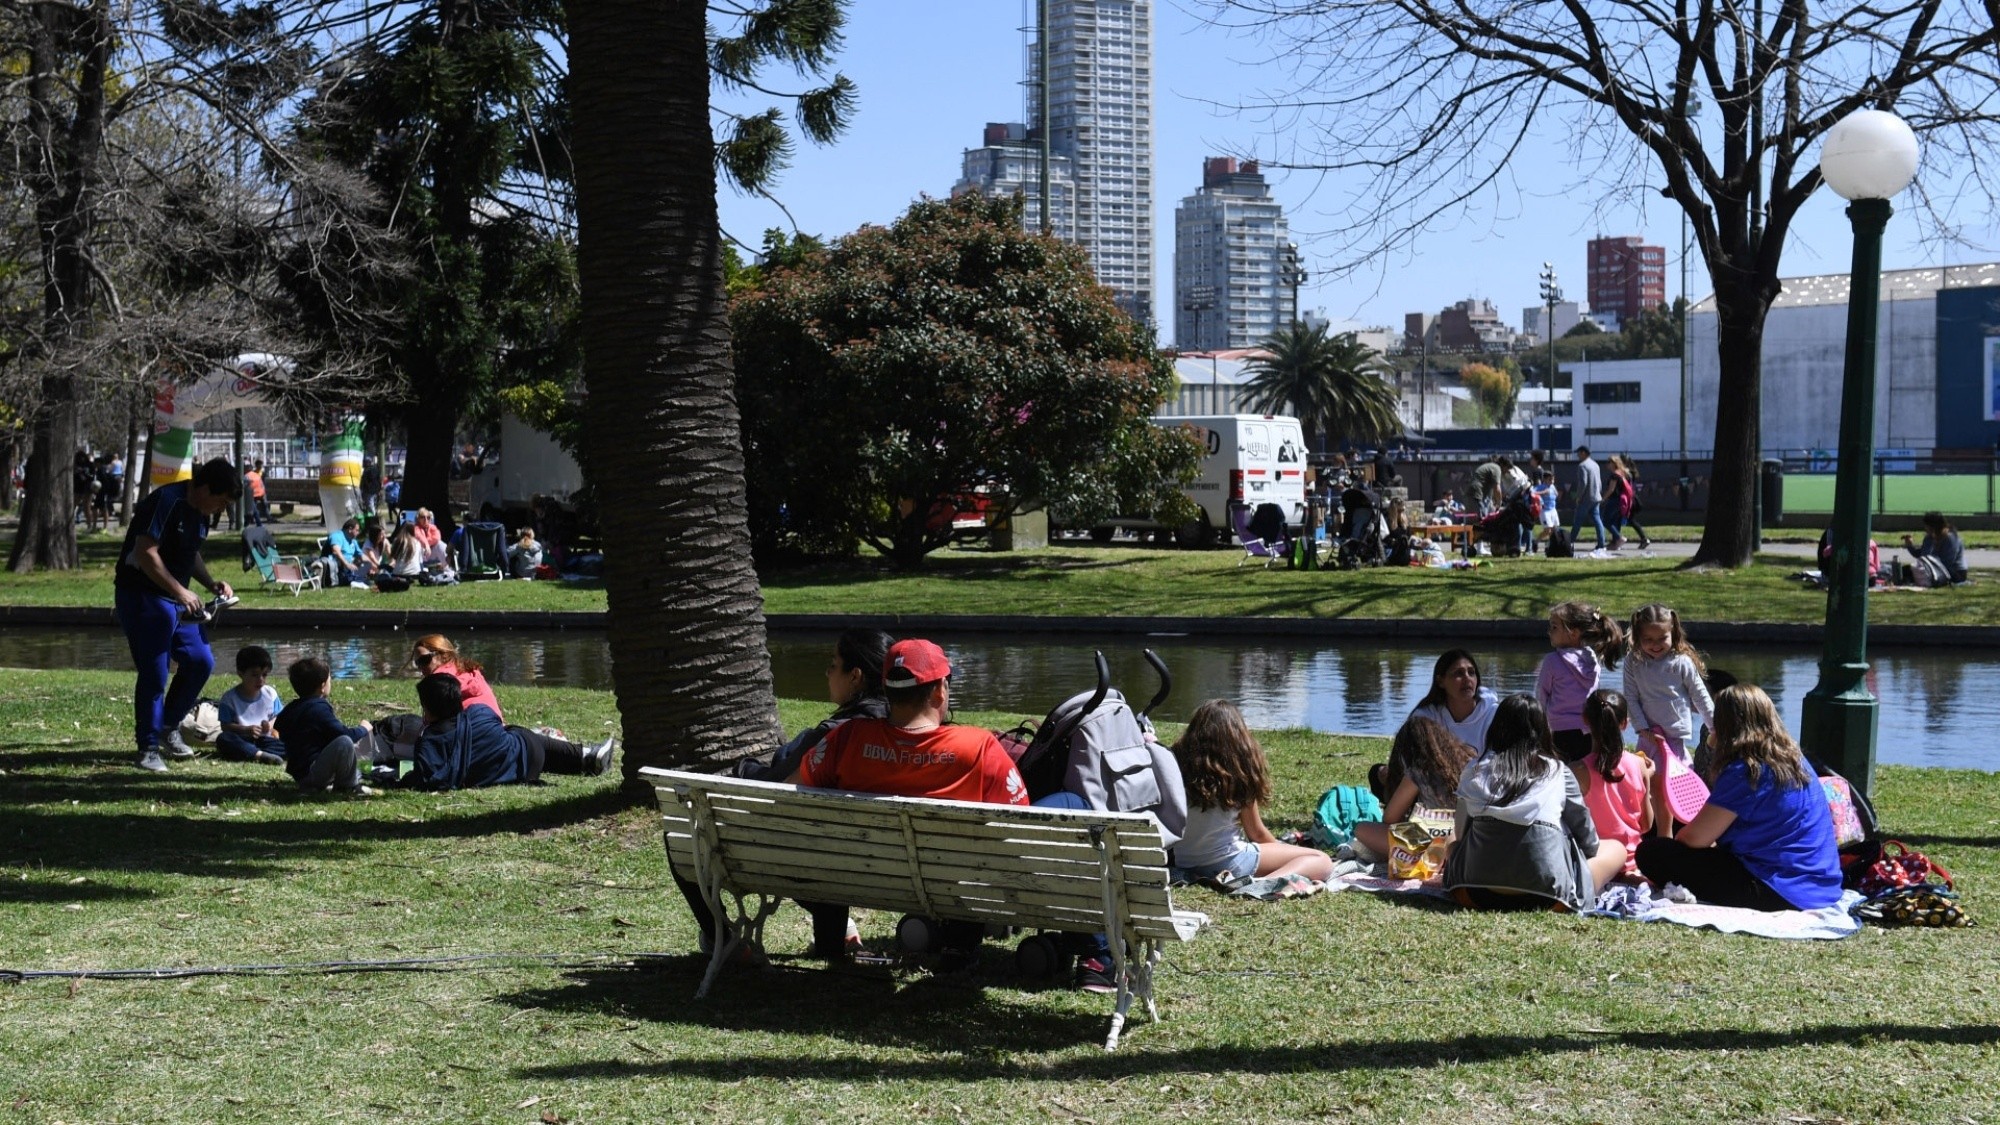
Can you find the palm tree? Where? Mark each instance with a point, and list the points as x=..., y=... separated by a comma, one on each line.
x=662, y=440
x=1333, y=384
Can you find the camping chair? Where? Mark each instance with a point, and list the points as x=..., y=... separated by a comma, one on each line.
x=481, y=551
x=260, y=553
x=1262, y=532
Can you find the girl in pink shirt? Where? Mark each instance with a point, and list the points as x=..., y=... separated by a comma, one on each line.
x=1585, y=641
x=1616, y=783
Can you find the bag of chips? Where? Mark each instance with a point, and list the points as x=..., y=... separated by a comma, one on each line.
x=1414, y=853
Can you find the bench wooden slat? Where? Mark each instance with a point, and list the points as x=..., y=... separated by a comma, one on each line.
x=1085, y=888
x=1003, y=855
x=861, y=828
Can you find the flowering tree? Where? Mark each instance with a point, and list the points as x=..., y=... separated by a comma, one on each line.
x=887, y=375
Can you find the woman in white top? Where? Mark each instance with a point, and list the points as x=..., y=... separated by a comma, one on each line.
x=1458, y=701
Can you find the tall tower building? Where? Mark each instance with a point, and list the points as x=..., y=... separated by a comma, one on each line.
x=1100, y=94
x=1010, y=163
x=1230, y=247
x=1627, y=277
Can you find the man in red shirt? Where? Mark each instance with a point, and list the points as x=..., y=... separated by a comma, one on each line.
x=913, y=753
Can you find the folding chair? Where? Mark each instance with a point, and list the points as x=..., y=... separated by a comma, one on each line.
x=260, y=553
x=1262, y=533
x=481, y=551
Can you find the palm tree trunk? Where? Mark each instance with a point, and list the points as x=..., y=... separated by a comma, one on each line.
x=662, y=441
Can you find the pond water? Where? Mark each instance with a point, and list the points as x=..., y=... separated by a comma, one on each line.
x=1931, y=698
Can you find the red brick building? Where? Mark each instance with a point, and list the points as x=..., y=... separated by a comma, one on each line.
x=1627, y=277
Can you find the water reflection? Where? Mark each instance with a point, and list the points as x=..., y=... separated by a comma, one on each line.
x=1364, y=686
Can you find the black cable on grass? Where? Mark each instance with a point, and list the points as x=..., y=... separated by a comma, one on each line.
x=393, y=965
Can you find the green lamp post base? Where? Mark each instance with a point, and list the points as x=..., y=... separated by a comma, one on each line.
x=1837, y=724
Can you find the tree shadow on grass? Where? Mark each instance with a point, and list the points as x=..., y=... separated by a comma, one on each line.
x=952, y=1016
x=1926, y=840
x=188, y=840
x=950, y=1062
x=17, y=892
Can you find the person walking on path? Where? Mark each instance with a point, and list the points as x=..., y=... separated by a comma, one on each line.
x=160, y=615
x=260, y=504
x=1589, y=496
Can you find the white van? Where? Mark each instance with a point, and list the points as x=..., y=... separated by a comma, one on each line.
x=1248, y=459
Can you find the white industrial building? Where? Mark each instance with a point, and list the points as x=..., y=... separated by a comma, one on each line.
x=1636, y=405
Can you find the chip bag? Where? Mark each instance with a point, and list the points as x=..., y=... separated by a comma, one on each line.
x=1414, y=853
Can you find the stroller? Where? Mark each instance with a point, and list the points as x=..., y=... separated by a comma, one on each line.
x=1363, y=531
x=1093, y=745
x=1504, y=529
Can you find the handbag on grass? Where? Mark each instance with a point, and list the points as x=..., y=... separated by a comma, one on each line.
x=1924, y=904
x=1900, y=866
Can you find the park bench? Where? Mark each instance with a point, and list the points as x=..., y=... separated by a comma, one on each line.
x=1048, y=869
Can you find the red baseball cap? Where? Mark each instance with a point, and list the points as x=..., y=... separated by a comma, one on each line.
x=914, y=662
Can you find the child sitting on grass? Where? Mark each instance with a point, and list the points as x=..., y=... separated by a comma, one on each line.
x=1524, y=838
x=319, y=748
x=249, y=711
x=1617, y=784
x=1227, y=782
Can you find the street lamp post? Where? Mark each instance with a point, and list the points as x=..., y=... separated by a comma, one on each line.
x=1869, y=157
x=1292, y=274
x=1551, y=293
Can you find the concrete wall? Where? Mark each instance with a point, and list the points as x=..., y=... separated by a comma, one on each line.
x=1805, y=352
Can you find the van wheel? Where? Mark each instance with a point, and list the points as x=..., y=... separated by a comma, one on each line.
x=1102, y=534
x=1196, y=535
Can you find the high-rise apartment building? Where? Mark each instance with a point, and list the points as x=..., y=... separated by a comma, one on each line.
x=1231, y=254
x=1627, y=277
x=1100, y=95
x=1010, y=163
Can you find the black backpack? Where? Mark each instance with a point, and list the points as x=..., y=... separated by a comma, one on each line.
x=1559, y=544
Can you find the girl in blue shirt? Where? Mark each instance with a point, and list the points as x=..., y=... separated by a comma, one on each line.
x=1765, y=838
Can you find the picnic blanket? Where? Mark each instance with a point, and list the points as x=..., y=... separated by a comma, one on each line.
x=1826, y=924
x=1271, y=888
x=1639, y=904
x=1374, y=878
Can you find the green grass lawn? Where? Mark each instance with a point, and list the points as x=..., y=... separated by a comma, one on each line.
x=1339, y=1007
x=1898, y=493
x=1129, y=581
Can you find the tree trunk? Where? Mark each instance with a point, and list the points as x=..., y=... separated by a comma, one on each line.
x=433, y=434
x=1729, y=535
x=63, y=177
x=142, y=405
x=663, y=446
x=47, y=535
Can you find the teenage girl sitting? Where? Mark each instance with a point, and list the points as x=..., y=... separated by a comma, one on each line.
x=1227, y=782
x=1765, y=839
x=1524, y=838
x=1428, y=761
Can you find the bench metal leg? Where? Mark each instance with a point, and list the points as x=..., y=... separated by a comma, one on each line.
x=734, y=929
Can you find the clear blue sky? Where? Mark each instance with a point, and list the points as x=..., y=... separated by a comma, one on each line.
x=932, y=73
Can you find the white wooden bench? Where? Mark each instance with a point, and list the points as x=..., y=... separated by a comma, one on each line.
x=1051, y=869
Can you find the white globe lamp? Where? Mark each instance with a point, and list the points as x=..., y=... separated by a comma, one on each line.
x=1869, y=154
